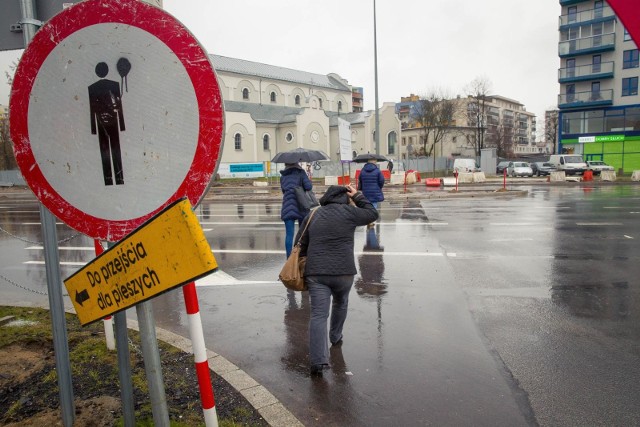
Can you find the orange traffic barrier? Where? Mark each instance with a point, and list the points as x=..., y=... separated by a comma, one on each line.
x=433, y=182
x=587, y=176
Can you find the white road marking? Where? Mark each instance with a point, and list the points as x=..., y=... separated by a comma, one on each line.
x=590, y=224
x=524, y=239
x=515, y=224
x=628, y=237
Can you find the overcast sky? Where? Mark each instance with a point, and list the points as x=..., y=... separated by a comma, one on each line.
x=422, y=45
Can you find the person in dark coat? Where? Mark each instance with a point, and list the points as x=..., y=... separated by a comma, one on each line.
x=330, y=267
x=370, y=182
x=292, y=176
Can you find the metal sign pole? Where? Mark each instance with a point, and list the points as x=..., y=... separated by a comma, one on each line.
x=52, y=267
x=58, y=321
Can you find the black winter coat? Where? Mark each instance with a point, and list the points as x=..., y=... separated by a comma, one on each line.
x=328, y=242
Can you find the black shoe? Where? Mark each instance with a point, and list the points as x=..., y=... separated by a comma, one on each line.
x=316, y=370
x=337, y=343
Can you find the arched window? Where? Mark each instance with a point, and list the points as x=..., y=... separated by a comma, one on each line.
x=237, y=139
x=392, y=139
x=265, y=142
x=320, y=102
x=339, y=106
x=297, y=100
x=245, y=93
x=289, y=137
x=273, y=97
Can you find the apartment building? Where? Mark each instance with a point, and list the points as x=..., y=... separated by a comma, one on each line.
x=501, y=122
x=598, y=101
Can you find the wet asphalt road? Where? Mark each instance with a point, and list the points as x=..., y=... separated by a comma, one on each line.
x=484, y=311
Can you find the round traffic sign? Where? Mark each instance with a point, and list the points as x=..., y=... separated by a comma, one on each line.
x=116, y=112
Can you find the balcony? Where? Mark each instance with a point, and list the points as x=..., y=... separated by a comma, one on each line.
x=586, y=16
x=585, y=99
x=586, y=72
x=587, y=45
x=570, y=2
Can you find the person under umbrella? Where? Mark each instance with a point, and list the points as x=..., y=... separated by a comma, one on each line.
x=370, y=182
x=292, y=176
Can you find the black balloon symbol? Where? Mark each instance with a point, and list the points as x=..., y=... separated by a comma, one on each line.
x=123, y=66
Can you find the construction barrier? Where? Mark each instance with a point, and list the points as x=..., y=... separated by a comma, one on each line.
x=587, y=176
x=558, y=176
x=607, y=176
x=479, y=177
x=635, y=176
x=433, y=182
x=465, y=177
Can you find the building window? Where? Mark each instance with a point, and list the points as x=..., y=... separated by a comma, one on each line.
x=245, y=93
x=571, y=67
x=630, y=58
x=571, y=93
x=627, y=36
x=392, y=139
x=339, y=106
x=596, y=60
x=297, y=101
x=630, y=86
x=572, y=14
x=237, y=140
x=598, y=7
x=320, y=102
x=265, y=142
x=273, y=97
x=595, y=91
x=289, y=137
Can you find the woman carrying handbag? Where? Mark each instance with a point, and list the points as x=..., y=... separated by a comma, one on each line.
x=330, y=267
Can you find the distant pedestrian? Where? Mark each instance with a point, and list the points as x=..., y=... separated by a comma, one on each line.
x=390, y=166
x=292, y=176
x=328, y=244
x=370, y=182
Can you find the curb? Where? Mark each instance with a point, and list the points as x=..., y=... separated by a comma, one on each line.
x=267, y=405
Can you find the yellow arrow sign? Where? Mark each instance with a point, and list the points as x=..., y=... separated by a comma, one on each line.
x=167, y=251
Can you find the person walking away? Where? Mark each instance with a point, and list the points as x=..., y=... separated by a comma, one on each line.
x=330, y=268
x=370, y=182
x=291, y=177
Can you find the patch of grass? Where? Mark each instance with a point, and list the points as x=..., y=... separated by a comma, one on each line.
x=95, y=373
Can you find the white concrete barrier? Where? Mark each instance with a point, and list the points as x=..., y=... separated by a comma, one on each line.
x=465, y=177
x=449, y=181
x=330, y=180
x=557, y=176
x=397, y=178
x=479, y=177
x=411, y=178
x=607, y=176
x=635, y=176
x=260, y=183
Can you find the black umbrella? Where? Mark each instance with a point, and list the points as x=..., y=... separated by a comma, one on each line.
x=364, y=158
x=300, y=155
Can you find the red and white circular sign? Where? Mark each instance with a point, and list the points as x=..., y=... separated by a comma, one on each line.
x=116, y=112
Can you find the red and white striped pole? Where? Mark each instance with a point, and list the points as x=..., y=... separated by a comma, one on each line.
x=200, y=355
x=107, y=321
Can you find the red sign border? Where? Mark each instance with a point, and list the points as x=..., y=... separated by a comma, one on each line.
x=194, y=58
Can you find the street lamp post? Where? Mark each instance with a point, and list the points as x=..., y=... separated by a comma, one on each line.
x=375, y=64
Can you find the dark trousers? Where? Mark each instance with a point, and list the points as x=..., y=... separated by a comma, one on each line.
x=109, y=137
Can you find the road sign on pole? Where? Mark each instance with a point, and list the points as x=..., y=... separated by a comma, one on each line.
x=116, y=112
x=168, y=251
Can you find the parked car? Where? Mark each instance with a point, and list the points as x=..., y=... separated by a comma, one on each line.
x=519, y=169
x=501, y=167
x=465, y=165
x=598, y=166
x=542, y=168
x=571, y=164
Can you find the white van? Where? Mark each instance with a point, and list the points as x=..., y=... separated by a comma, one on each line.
x=465, y=165
x=571, y=164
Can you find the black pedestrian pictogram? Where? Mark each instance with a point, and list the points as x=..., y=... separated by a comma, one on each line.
x=107, y=120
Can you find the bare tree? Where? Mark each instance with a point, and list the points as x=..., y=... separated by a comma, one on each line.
x=501, y=136
x=478, y=92
x=435, y=114
x=7, y=158
x=551, y=128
